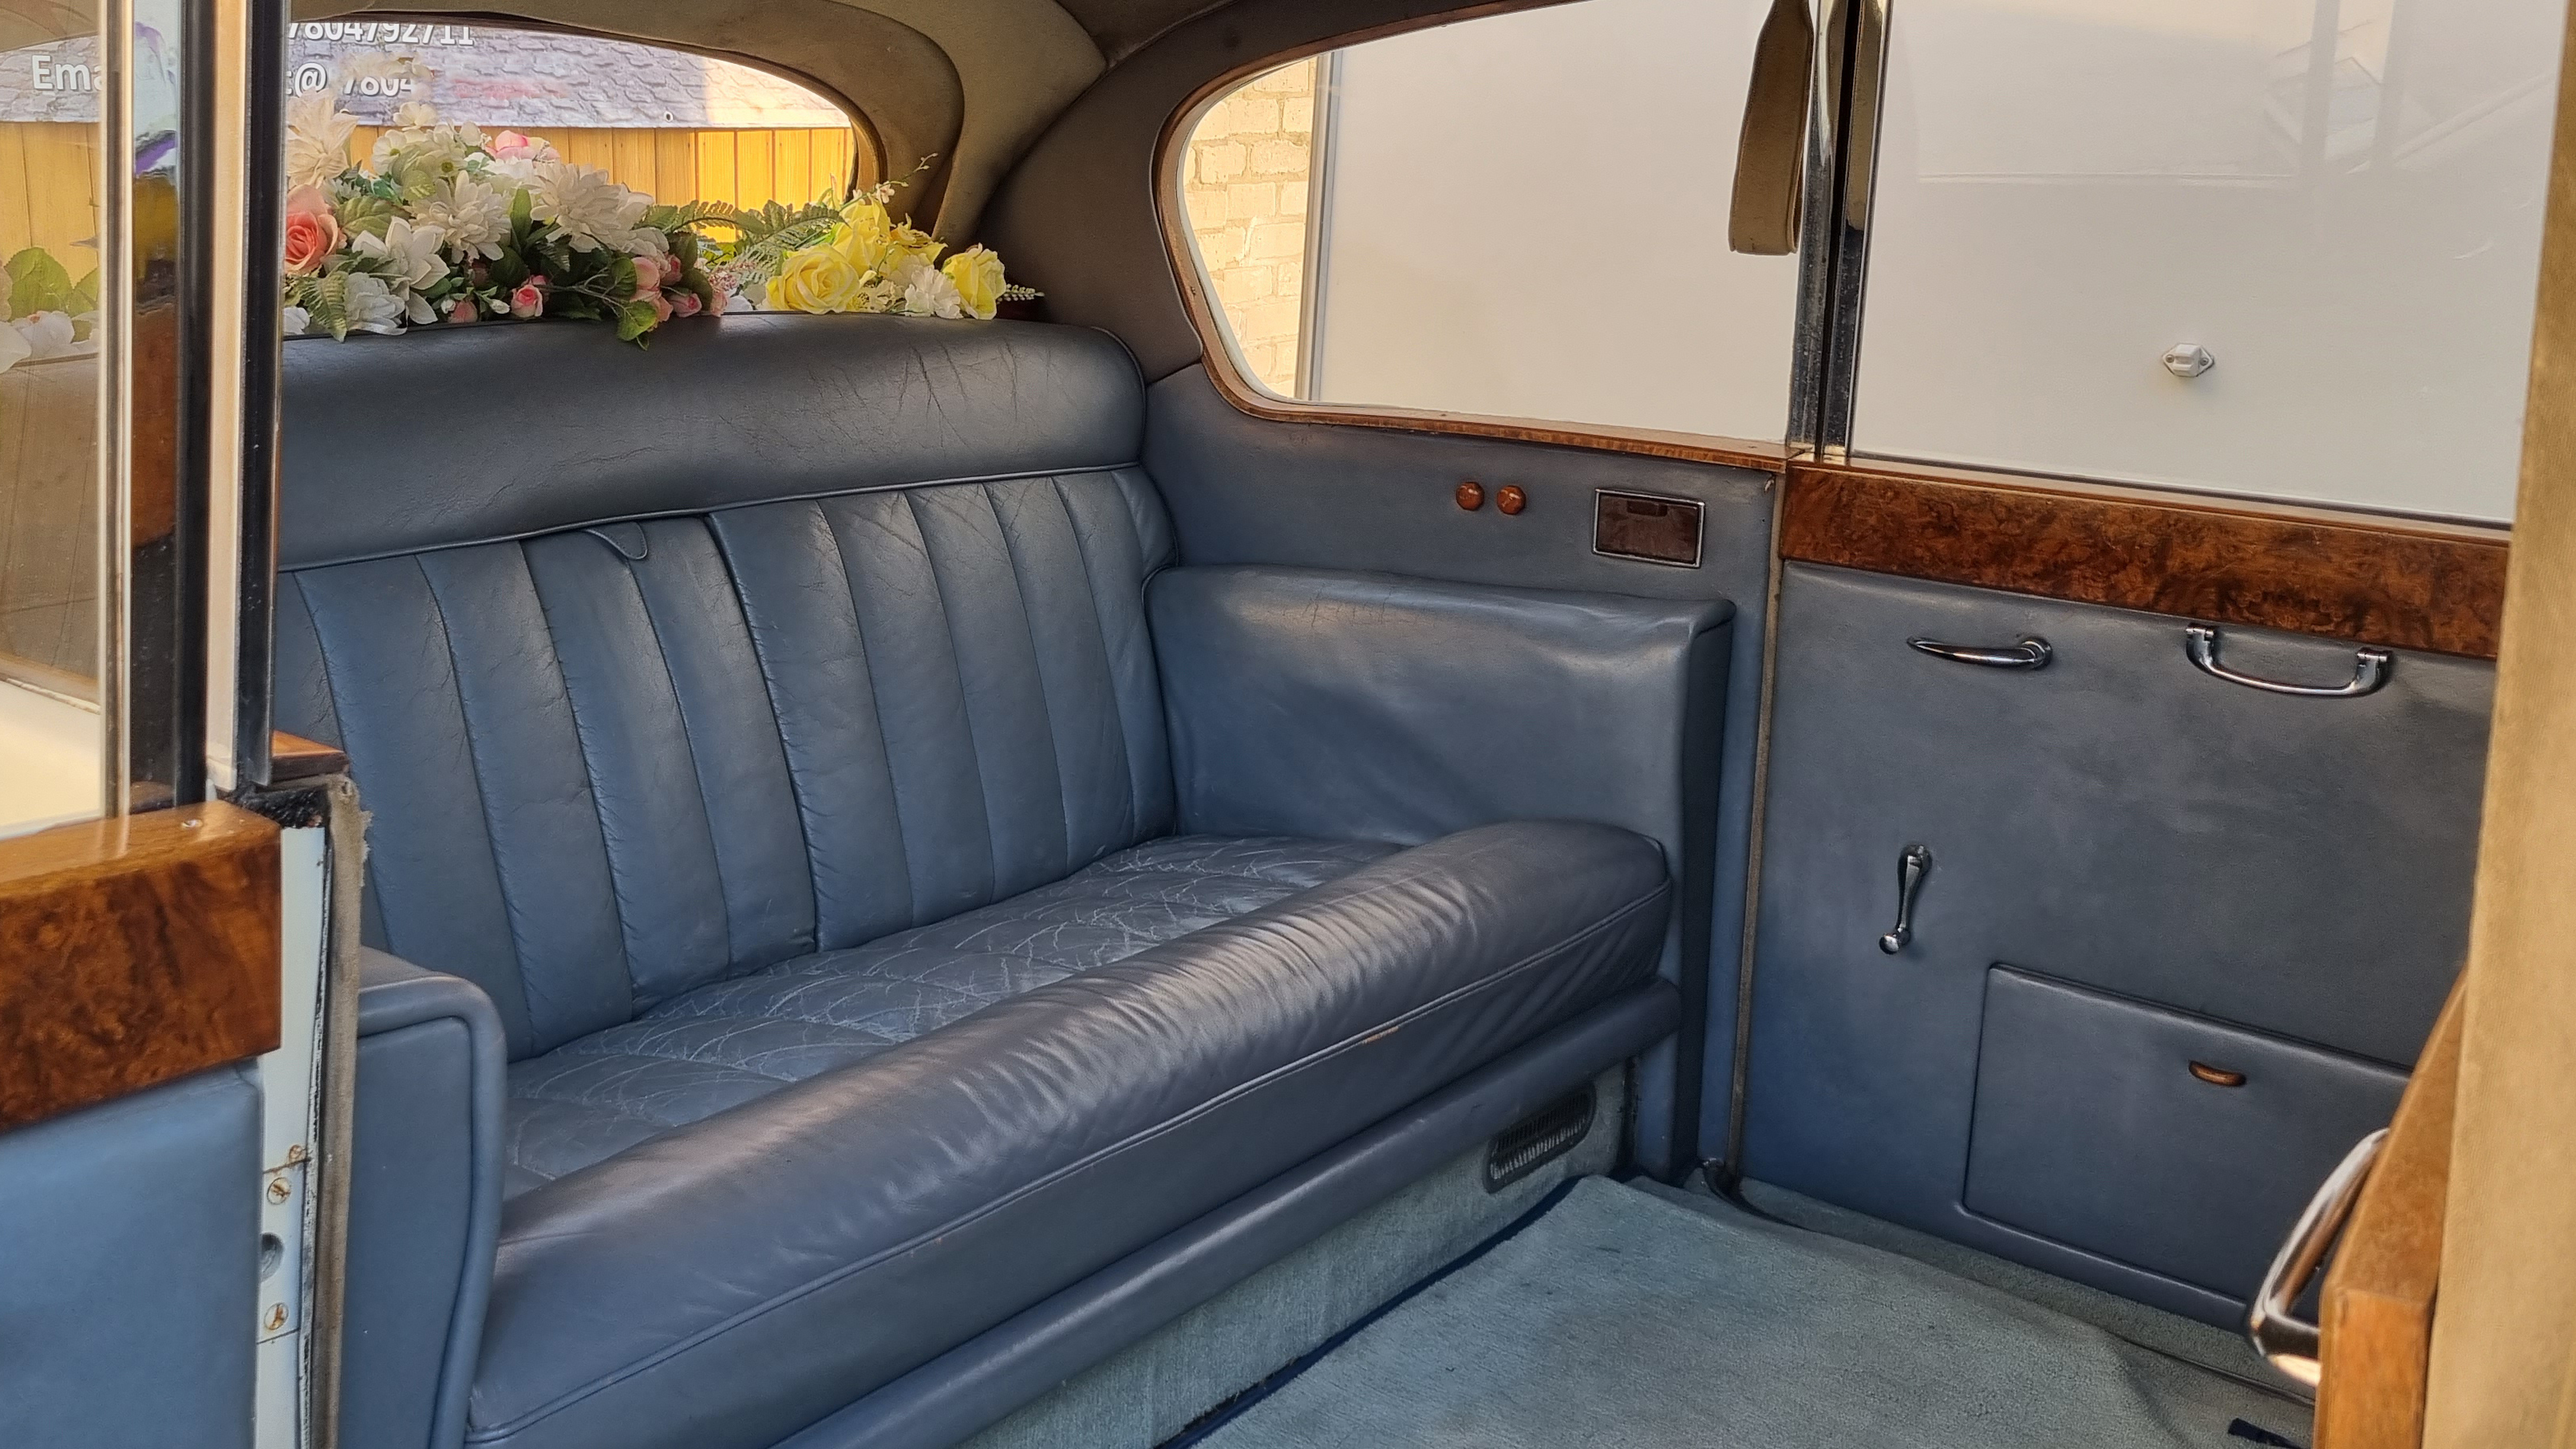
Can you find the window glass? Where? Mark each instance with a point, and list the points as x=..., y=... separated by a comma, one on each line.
x=676, y=126
x=2339, y=200
x=49, y=385
x=1523, y=216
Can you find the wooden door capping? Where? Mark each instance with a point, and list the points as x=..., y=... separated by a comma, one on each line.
x=2402, y=583
x=2377, y=1310
x=293, y=757
x=133, y=952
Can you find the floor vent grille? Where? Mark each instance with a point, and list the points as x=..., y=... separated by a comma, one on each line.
x=1538, y=1139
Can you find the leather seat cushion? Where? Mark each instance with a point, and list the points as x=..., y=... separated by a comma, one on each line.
x=734, y=1041
x=729, y=1281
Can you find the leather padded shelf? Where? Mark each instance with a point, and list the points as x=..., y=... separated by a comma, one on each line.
x=2093, y=1129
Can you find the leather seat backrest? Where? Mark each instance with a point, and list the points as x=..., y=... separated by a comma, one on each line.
x=628, y=719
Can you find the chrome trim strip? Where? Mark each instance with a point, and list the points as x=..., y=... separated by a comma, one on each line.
x=2286, y=1341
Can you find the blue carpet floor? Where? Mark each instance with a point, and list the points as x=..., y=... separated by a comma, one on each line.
x=1621, y=1319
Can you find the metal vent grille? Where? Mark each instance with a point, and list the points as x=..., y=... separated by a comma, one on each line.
x=1538, y=1139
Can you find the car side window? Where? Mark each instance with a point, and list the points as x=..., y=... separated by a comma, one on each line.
x=1519, y=216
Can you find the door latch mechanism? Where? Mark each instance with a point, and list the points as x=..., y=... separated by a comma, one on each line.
x=1911, y=866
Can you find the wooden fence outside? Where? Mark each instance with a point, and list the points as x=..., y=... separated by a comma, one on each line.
x=49, y=172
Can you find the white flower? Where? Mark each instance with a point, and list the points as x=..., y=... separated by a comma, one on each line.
x=317, y=139
x=415, y=115
x=417, y=156
x=47, y=334
x=474, y=215
x=370, y=305
x=410, y=258
x=583, y=206
x=295, y=321
x=931, y=293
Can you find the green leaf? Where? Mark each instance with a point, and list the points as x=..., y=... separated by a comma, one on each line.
x=84, y=297
x=37, y=283
x=635, y=319
x=508, y=271
x=367, y=215
x=520, y=216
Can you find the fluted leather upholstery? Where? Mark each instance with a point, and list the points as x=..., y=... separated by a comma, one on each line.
x=809, y=828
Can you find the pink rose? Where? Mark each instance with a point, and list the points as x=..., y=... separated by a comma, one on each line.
x=529, y=301
x=311, y=235
x=648, y=276
x=661, y=307
x=716, y=308
x=460, y=309
x=686, y=304
x=513, y=146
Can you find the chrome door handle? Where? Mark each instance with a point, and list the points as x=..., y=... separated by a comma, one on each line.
x=2369, y=669
x=1910, y=867
x=2030, y=653
x=2286, y=1340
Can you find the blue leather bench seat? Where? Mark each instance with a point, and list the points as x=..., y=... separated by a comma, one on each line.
x=771, y=762
x=729, y=1042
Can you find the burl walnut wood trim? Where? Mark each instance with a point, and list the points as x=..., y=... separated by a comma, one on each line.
x=132, y=952
x=2377, y=1317
x=2401, y=583
x=293, y=757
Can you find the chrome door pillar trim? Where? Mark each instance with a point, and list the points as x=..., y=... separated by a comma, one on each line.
x=1833, y=236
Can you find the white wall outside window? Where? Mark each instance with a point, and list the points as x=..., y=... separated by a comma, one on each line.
x=1528, y=218
x=2340, y=199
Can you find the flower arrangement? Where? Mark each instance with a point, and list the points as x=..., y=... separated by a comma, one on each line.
x=443, y=224
x=43, y=312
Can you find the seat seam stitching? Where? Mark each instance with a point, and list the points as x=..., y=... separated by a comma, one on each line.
x=769, y=692
x=876, y=707
x=1109, y=665
x=965, y=699
x=706, y=511
x=482, y=796
x=689, y=738
x=581, y=736
x=1046, y=700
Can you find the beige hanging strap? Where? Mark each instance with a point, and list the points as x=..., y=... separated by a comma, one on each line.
x=1770, y=158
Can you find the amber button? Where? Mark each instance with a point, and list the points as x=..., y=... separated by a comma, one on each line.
x=1511, y=499
x=1471, y=496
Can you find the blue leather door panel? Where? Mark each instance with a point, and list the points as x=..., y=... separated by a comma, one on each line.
x=129, y=1271
x=2093, y=1128
x=2298, y=867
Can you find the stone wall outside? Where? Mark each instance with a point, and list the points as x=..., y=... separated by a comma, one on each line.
x=1244, y=191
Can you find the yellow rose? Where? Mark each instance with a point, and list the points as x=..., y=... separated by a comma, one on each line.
x=816, y=279
x=912, y=241
x=978, y=275
x=865, y=234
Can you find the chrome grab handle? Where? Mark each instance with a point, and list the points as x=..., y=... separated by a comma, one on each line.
x=2369, y=669
x=1910, y=866
x=2030, y=653
x=2287, y=1341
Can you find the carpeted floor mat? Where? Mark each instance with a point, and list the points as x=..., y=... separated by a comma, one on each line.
x=1618, y=1320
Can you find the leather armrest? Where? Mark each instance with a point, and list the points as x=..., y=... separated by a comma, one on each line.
x=425, y=1203
x=1316, y=702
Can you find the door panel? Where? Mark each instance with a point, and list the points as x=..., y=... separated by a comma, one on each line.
x=2118, y=820
x=128, y=1303
x=2095, y=1115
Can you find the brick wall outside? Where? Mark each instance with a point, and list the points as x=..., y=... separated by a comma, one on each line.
x=1245, y=195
